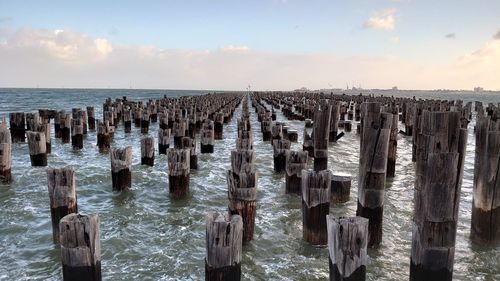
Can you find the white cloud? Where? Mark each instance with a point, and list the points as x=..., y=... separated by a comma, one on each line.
x=497, y=35
x=395, y=39
x=383, y=20
x=33, y=57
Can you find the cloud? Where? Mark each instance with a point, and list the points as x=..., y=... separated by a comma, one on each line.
x=51, y=58
x=497, y=35
x=395, y=39
x=383, y=20
x=450, y=36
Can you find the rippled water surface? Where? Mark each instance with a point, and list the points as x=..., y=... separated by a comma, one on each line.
x=147, y=236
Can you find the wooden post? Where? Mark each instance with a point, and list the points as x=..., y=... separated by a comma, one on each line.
x=280, y=148
x=266, y=127
x=439, y=168
x=179, y=131
x=218, y=126
x=242, y=185
x=163, y=140
x=62, y=194
x=145, y=122
x=315, y=205
x=65, y=127
x=91, y=118
x=375, y=134
x=485, y=224
x=188, y=143
x=121, y=167
x=276, y=131
x=178, y=172
x=127, y=120
x=163, y=120
x=393, y=142
x=295, y=163
x=293, y=135
x=334, y=121
x=207, y=137
x=77, y=133
x=148, y=151
x=341, y=188
x=103, y=136
x=224, y=247
x=347, y=243
x=137, y=116
x=5, y=153
x=308, y=144
x=17, y=127
x=80, y=247
x=37, y=149
x=321, y=131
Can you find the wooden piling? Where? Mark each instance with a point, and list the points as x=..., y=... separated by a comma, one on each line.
x=80, y=247
x=223, y=247
x=145, y=122
x=347, y=248
x=37, y=149
x=207, y=140
x=17, y=127
x=62, y=194
x=334, y=121
x=148, y=151
x=280, y=148
x=5, y=153
x=340, y=188
x=91, y=118
x=178, y=172
x=308, y=144
x=315, y=206
x=296, y=161
x=121, y=168
x=127, y=120
x=179, y=130
x=188, y=143
x=218, y=126
x=163, y=140
x=485, y=224
x=320, y=140
x=439, y=168
x=77, y=133
x=375, y=134
x=103, y=136
x=65, y=127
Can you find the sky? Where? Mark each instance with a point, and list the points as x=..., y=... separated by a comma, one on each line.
x=267, y=44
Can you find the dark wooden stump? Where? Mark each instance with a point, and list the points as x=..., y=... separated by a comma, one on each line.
x=5, y=153
x=103, y=136
x=178, y=172
x=62, y=194
x=280, y=148
x=293, y=135
x=65, y=127
x=17, y=127
x=218, y=126
x=341, y=188
x=148, y=151
x=207, y=140
x=315, y=206
x=127, y=120
x=296, y=161
x=145, y=122
x=224, y=247
x=347, y=248
x=77, y=134
x=91, y=118
x=121, y=168
x=37, y=149
x=80, y=247
x=163, y=140
x=308, y=144
x=320, y=140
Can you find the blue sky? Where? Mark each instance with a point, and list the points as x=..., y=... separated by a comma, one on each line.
x=409, y=30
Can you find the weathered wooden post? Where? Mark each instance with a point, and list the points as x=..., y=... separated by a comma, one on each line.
x=321, y=131
x=148, y=151
x=121, y=167
x=224, y=247
x=17, y=127
x=295, y=163
x=347, y=243
x=393, y=141
x=280, y=148
x=188, y=143
x=77, y=133
x=439, y=168
x=127, y=120
x=207, y=137
x=145, y=122
x=308, y=144
x=91, y=118
x=485, y=224
x=137, y=116
x=341, y=188
x=376, y=130
x=65, y=127
x=334, y=122
x=242, y=185
x=276, y=131
x=80, y=247
x=179, y=131
x=103, y=136
x=62, y=194
x=163, y=140
x=37, y=149
x=178, y=172
x=315, y=205
x=5, y=153
x=218, y=126
x=293, y=135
